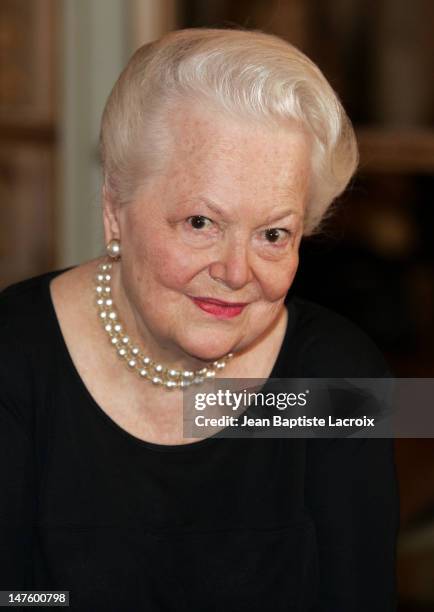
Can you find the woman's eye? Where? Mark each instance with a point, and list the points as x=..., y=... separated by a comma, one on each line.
x=276, y=235
x=199, y=222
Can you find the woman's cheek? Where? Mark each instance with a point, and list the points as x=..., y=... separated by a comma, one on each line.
x=277, y=279
x=175, y=267
x=292, y=271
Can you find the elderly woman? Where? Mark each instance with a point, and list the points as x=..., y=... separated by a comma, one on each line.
x=220, y=151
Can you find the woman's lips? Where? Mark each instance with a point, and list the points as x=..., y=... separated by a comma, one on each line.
x=222, y=310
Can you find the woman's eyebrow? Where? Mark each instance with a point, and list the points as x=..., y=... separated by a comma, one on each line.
x=281, y=215
x=206, y=202
x=213, y=206
x=272, y=217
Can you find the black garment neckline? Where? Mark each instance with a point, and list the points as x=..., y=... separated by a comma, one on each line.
x=275, y=373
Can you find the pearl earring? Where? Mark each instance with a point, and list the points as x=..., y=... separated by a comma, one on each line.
x=113, y=248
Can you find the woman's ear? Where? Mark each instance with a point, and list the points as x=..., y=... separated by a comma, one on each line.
x=110, y=217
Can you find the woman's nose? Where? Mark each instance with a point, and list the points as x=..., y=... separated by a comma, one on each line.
x=232, y=267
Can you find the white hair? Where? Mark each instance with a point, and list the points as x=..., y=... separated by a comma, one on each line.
x=248, y=74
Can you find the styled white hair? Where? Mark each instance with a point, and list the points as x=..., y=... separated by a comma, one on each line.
x=248, y=74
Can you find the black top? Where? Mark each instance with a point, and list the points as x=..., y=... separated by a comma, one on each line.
x=218, y=525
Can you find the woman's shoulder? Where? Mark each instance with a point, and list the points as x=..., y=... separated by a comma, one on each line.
x=31, y=343
x=331, y=345
x=29, y=304
x=25, y=308
x=24, y=339
x=29, y=329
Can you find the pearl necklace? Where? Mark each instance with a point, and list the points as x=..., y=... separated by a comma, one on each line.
x=134, y=357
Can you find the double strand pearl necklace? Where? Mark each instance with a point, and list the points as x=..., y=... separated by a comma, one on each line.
x=132, y=354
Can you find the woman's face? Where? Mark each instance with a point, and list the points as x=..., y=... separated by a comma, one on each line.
x=223, y=221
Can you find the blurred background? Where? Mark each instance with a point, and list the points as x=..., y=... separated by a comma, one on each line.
x=375, y=261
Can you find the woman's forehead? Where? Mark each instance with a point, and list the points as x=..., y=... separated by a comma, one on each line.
x=223, y=196
x=238, y=168
x=198, y=132
x=226, y=152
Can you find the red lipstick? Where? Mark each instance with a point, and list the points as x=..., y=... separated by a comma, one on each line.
x=218, y=308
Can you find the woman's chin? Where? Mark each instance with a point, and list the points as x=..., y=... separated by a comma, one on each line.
x=209, y=350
